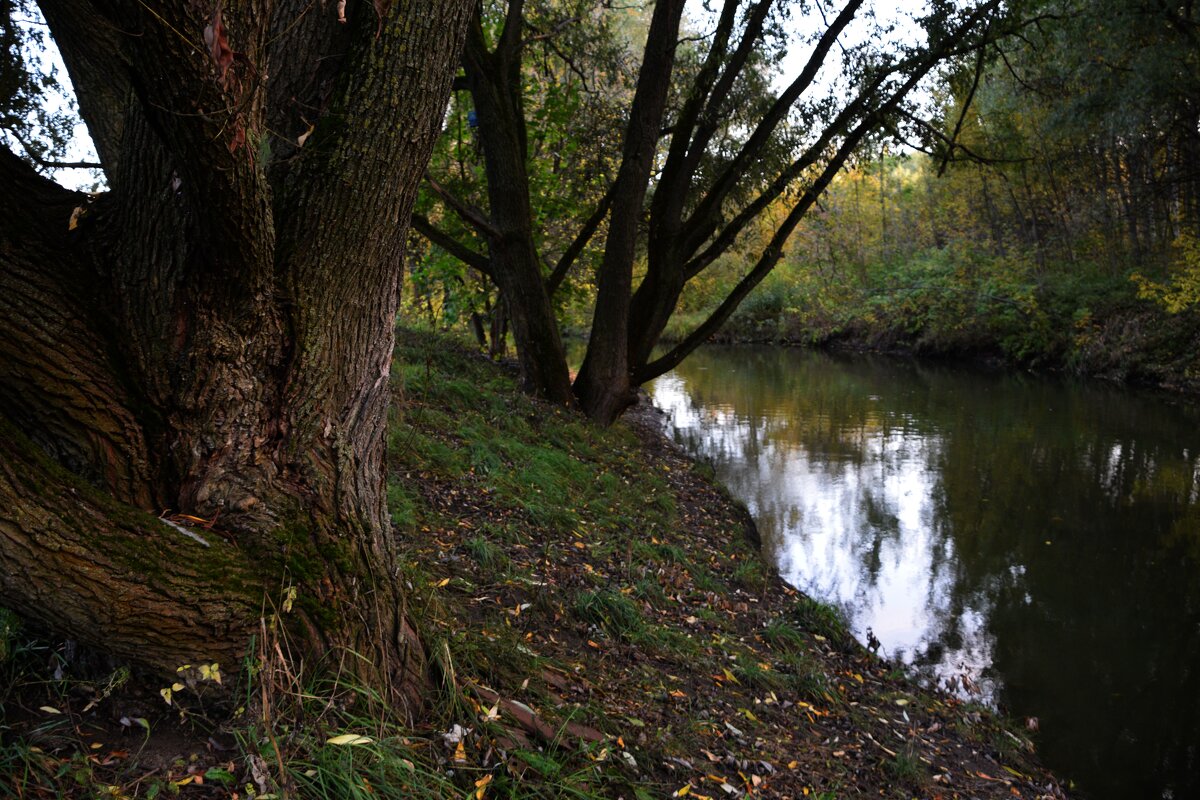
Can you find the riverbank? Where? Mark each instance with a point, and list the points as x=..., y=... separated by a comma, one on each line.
x=1090, y=325
x=599, y=625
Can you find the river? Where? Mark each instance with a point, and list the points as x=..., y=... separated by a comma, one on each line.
x=1040, y=536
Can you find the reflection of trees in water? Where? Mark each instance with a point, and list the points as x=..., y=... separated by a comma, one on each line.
x=1097, y=633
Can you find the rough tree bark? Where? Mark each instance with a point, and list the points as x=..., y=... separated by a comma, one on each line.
x=494, y=78
x=212, y=337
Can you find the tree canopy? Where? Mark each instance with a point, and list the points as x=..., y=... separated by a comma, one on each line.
x=708, y=145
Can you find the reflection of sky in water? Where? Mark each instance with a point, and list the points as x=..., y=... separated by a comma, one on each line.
x=1039, y=536
x=816, y=515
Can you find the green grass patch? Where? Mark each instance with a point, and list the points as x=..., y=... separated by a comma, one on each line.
x=487, y=555
x=821, y=619
x=751, y=574
x=612, y=611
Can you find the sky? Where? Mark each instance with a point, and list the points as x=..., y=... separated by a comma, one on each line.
x=803, y=23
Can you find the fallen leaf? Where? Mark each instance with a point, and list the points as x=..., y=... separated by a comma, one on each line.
x=349, y=738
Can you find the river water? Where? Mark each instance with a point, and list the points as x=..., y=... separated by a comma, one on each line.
x=1041, y=537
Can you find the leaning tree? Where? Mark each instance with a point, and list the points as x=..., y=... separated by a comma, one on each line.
x=194, y=364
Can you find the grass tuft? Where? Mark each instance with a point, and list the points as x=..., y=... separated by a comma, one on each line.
x=612, y=611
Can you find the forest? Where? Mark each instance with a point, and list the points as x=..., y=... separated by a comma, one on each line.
x=324, y=470
x=1034, y=204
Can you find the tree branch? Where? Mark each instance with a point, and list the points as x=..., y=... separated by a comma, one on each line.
x=472, y=258
x=766, y=262
x=567, y=260
x=91, y=50
x=715, y=197
x=468, y=213
x=49, y=164
x=962, y=115
x=704, y=221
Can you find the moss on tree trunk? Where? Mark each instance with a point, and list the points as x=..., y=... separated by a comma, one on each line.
x=209, y=341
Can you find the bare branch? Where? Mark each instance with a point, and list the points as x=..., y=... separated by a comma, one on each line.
x=710, y=206
x=466, y=212
x=472, y=258
x=567, y=260
x=32, y=153
x=962, y=115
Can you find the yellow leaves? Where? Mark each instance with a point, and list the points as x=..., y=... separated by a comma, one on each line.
x=441, y=583
x=49, y=709
x=210, y=672
x=460, y=753
x=481, y=786
x=349, y=739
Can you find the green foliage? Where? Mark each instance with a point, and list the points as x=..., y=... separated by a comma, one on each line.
x=487, y=555
x=905, y=769
x=36, y=112
x=382, y=767
x=1183, y=289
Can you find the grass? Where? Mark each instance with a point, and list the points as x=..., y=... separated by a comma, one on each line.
x=490, y=557
x=815, y=617
x=611, y=611
x=587, y=577
x=905, y=769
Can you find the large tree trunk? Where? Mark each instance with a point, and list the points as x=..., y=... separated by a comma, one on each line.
x=604, y=385
x=495, y=81
x=213, y=337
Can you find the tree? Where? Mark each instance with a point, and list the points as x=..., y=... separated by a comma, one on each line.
x=707, y=151
x=213, y=335
x=533, y=72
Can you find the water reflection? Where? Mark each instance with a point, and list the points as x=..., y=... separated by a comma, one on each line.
x=1040, y=537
